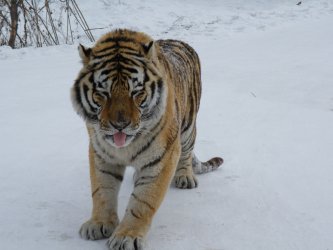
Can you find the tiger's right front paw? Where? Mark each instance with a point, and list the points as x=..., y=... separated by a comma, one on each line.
x=92, y=230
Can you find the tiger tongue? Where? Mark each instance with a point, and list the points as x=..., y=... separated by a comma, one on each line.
x=119, y=139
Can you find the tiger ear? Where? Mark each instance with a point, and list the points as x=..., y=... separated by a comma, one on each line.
x=85, y=54
x=149, y=49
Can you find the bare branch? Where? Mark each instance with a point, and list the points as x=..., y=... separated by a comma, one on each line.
x=36, y=24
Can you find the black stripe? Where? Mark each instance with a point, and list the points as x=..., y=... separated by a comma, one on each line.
x=97, y=189
x=136, y=247
x=186, y=158
x=159, y=86
x=117, y=58
x=146, y=146
x=141, y=184
x=153, y=162
x=182, y=168
x=78, y=98
x=118, y=47
x=106, y=49
x=154, y=108
x=100, y=64
x=102, y=149
x=77, y=93
x=150, y=68
x=190, y=116
x=145, y=180
x=135, y=215
x=134, y=92
x=188, y=145
x=152, y=90
x=93, y=193
x=196, y=89
x=100, y=94
x=91, y=80
x=146, y=77
x=114, y=175
x=177, y=110
x=170, y=141
x=144, y=202
x=118, y=39
x=105, y=55
x=81, y=76
x=104, y=62
x=143, y=104
x=131, y=50
x=133, y=53
x=85, y=92
x=133, y=61
x=131, y=70
x=106, y=72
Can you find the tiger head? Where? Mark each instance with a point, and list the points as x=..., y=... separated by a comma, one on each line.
x=120, y=89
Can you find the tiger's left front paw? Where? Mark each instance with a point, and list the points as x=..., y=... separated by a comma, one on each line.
x=125, y=243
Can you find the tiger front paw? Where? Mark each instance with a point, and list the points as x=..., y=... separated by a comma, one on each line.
x=186, y=181
x=92, y=230
x=125, y=243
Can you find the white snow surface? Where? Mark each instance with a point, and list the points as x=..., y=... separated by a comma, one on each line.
x=266, y=108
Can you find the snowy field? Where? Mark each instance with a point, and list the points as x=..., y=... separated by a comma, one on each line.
x=267, y=109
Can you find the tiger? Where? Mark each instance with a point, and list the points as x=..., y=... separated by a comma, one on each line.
x=139, y=99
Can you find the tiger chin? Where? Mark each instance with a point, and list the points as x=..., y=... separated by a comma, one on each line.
x=139, y=99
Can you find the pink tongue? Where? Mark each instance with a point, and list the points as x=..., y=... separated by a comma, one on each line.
x=119, y=139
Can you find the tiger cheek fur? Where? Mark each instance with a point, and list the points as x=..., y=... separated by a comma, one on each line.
x=139, y=99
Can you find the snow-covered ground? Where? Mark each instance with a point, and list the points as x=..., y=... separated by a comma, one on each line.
x=267, y=109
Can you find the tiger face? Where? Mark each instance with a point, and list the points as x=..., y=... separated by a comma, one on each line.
x=118, y=89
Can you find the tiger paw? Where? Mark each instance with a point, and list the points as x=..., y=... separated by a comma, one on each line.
x=125, y=243
x=186, y=181
x=92, y=230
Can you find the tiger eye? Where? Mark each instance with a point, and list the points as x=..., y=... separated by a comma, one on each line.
x=98, y=98
x=141, y=97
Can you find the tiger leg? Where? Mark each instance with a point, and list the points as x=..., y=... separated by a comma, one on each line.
x=184, y=176
x=105, y=184
x=151, y=184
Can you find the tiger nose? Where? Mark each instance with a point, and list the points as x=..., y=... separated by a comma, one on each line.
x=120, y=126
x=121, y=122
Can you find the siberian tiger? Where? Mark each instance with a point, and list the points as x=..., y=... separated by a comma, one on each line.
x=139, y=99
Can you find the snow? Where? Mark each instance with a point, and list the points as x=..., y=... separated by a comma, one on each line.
x=267, y=109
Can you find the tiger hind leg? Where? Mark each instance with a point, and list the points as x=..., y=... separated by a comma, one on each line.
x=188, y=168
x=189, y=164
x=184, y=177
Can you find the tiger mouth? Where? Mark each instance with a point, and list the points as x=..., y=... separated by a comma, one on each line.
x=119, y=139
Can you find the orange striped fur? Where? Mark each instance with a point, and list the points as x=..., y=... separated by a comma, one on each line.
x=139, y=99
